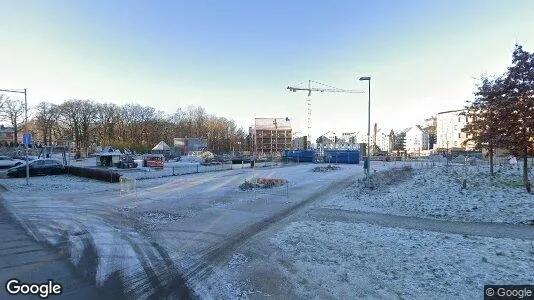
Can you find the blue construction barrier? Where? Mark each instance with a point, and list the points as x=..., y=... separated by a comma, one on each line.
x=342, y=156
x=299, y=155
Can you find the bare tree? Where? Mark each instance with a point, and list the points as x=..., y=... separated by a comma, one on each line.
x=13, y=112
x=46, y=118
x=3, y=98
x=108, y=121
x=78, y=116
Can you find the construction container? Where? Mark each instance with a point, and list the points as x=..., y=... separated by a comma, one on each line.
x=299, y=155
x=338, y=156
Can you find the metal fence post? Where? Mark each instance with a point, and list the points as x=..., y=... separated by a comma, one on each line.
x=287, y=188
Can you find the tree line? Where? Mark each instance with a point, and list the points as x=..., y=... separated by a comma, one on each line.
x=502, y=113
x=130, y=126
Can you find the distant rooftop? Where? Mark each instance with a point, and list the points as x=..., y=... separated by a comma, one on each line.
x=6, y=129
x=450, y=111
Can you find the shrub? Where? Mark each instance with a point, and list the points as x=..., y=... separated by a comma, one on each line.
x=262, y=183
x=97, y=174
x=326, y=169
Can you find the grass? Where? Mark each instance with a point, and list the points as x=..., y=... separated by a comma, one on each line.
x=389, y=177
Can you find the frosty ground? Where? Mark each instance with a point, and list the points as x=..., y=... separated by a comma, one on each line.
x=334, y=249
x=439, y=193
x=201, y=235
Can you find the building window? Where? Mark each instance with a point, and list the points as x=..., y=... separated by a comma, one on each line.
x=459, y=135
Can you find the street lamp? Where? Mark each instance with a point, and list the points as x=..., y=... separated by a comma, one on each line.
x=23, y=91
x=367, y=163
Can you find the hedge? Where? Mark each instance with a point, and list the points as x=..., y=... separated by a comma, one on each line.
x=97, y=174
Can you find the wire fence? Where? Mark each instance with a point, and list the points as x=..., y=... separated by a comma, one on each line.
x=462, y=161
x=150, y=173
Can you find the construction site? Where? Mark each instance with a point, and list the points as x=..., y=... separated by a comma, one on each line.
x=182, y=222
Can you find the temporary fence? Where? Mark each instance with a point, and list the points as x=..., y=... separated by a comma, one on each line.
x=342, y=156
x=150, y=173
x=299, y=155
x=128, y=186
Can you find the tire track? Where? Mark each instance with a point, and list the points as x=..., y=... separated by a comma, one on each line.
x=220, y=252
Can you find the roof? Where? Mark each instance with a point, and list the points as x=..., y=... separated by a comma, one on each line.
x=450, y=111
x=6, y=129
x=162, y=146
x=405, y=130
x=420, y=128
x=108, y=151
x=272, y=124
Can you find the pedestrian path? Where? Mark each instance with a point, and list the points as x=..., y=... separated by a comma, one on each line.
x=495, y=230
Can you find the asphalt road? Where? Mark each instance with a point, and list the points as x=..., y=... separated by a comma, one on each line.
x=23, y=258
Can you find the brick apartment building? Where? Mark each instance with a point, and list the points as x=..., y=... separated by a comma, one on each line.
x=6, y=134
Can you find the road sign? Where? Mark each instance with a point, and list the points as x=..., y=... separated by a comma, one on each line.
x=27, y=139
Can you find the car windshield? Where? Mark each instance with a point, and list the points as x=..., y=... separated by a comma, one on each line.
x=267, y=149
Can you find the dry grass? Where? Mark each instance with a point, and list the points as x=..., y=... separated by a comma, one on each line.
x=262, y=183
x=381, y=180
x=328, y=168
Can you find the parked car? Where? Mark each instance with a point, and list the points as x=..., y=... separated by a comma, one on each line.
x=38, y=167
x=9, y=162
x=23, y=158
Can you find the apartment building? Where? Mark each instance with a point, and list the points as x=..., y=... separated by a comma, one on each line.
x=383, y=141
x=416, y=140
x=449, y=132
x=298, y=142
x=270, y=135
x=430, y=126
x=6, y=134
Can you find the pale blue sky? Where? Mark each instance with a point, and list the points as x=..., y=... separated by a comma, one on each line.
x=235, y=58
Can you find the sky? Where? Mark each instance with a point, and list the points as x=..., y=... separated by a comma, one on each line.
x=236, y=58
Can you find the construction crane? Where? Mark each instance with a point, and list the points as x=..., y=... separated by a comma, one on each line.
x=325, y=88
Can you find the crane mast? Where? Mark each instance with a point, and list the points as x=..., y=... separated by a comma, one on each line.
x=309, y=89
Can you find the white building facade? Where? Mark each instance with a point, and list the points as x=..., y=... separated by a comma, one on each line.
x=450, y=135
x=416, y=141
x=383, y=140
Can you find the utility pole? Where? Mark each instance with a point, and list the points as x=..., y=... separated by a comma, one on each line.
x=26, y=131
x=367, y=164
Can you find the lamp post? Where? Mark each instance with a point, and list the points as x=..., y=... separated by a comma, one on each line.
x=367, y=163
x=23, y=91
